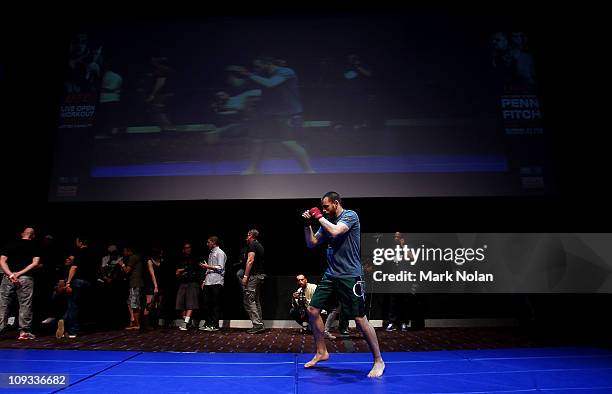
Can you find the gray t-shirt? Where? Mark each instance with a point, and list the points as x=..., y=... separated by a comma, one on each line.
x=344, y=251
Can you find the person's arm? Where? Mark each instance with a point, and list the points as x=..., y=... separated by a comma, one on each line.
x=126, y=268
x=268, y=82
x=249, y=264
x=71, y=272
x=6, y=269
x=179, y=271
x=219, y=267
x=34, y=264
x=204, y=264
x=247, y=268
x=221, y=259
x=278, y=78
x=333, y=230
x=152, y=273
x=311, y=238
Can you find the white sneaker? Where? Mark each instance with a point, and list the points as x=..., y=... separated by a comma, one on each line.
x=390, y=327
x=183, y=326
x=404, y=327
x=48, y=320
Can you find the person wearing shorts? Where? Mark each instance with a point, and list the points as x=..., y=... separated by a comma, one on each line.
x=188, y=274
x=342, y=281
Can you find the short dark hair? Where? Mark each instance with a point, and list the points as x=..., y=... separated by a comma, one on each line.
x=333, y=196
x=214, y=239
x=254, y=233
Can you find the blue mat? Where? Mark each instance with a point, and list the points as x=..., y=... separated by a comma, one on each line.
x=546, y=370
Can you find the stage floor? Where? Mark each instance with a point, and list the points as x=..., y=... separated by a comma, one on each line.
x=292, y=340
x=516, y=370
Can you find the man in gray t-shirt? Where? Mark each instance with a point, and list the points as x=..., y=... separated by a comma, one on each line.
x=341, y=281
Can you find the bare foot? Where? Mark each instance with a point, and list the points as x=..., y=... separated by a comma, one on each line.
x=377, y=369
x=317, y=357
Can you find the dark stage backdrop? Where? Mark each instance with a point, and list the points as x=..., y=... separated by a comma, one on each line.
x=32, y=86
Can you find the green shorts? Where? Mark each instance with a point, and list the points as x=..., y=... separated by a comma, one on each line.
x=333, y=291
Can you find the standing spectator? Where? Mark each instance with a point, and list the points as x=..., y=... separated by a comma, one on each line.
x=213, y=284
x=154, y=285
x=17, y=262
x=114, y=289
x=132, y=267
x=188, y=275
x=81, y=275
x=252, y=281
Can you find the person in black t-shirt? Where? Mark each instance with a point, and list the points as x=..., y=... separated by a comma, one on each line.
x=154, y=285
x=188, y=275
x=82, y=274
x=252, y=281
x=17, y=262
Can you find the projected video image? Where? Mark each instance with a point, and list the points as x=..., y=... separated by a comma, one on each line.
x=293, y=96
